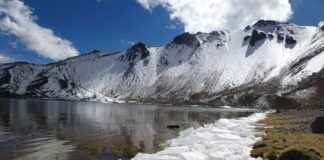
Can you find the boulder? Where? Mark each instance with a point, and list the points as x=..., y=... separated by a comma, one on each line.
x=305, y=154
x=299, y=155
x=173, y=127
x=318, y=125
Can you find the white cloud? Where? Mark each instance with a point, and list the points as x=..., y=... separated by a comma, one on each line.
x=17, y=19
x=4, y=59
x=171, y=27
x=209, y=15
x=126, y=42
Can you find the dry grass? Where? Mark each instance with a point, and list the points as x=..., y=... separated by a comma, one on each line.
x=286, y=133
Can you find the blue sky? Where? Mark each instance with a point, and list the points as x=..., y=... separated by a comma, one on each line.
x=113, y=25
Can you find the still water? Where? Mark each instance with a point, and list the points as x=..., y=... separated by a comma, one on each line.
x=56, y=130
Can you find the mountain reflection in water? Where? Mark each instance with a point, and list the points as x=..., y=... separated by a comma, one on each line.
x=57, y=130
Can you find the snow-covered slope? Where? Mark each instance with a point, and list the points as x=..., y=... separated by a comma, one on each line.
x=199, y=67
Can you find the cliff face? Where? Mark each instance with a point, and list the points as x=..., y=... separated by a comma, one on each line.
x=246, y=67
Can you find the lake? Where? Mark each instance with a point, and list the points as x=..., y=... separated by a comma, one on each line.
x=32, y=129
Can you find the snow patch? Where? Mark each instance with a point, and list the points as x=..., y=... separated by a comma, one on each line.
x=226, y=139
x=227, y=107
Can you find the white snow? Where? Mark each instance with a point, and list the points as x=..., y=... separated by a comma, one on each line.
x=226, y=139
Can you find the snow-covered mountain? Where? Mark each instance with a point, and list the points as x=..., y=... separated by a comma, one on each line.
x=243, y=67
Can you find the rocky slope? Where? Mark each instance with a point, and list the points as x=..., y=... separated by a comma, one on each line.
x=264, y=64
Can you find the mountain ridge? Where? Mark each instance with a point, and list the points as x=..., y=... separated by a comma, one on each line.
x=267, y=61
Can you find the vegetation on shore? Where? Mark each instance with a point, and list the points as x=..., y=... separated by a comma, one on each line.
x=288, y=137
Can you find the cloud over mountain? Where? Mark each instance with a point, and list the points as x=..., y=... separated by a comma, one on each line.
x=5, y=59
x=17, y=19
x=208, y=15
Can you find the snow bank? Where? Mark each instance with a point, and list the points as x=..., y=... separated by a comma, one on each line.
x=226, y=139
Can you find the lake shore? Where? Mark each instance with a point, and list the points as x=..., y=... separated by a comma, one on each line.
x=288, y=134
x=229, y=139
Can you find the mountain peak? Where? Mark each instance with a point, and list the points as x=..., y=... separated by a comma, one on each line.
x=95, y=51
x=264, y=23
x=138, y=45
x=267, y=29
x=321, y=25
x=139, y=50
x=187, y=39
x=199, y=38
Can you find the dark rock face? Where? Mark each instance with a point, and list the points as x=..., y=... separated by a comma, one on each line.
x=264, y=23
x=280, y=38
x=256, y=37
x=318, y=125
x=255, y=41
x=172, y=127
x=290, y=42
x=187, y=39
x=322, y=28
x=164, y=61
x=247, y=38
x=63, y=84
x=320, y=88
x=36, y=84
x=247, y=28
x=138, y=50
x=214, y=35
x=4, y=77
x=270, y=36
x=95, y=51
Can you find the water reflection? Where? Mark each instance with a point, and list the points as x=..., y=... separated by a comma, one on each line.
x=40, y=129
